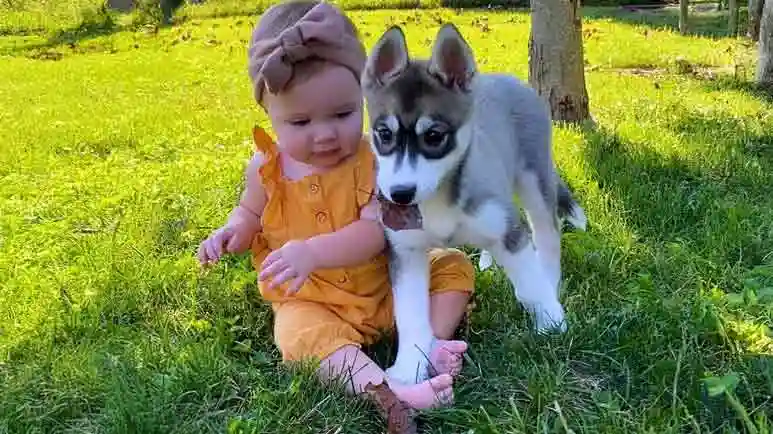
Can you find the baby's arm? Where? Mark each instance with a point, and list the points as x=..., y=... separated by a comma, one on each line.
x=253, y=199
x=353, y=244
x=244, y=221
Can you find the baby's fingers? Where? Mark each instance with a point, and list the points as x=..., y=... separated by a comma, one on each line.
x=212, y=255
x=272, y=269
x=271, y=258
x=236, y=243
x=296, y=285
x=286, y=274
x=219, y=240
x=202, y=253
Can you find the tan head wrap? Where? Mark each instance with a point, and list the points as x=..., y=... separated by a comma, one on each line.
x=321, y=33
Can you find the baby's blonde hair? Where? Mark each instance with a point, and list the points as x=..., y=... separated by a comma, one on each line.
x=295, y=39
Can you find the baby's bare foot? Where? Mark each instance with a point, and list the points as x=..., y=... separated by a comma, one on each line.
x=435, y=392
x=446, y=356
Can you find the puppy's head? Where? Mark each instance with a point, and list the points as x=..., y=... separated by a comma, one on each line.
x=418, y=111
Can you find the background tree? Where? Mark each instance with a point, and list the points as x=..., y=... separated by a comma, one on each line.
x=755, y=14
x=732, y=18
x=684, y=6
x=556, y=62
x=765, y=62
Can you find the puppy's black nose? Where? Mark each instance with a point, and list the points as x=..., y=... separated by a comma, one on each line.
x=403, y=194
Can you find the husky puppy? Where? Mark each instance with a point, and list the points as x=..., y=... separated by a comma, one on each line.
x=459, y=145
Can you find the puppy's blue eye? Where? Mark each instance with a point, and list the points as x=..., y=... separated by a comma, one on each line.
x=434, y=138
x=384, y=134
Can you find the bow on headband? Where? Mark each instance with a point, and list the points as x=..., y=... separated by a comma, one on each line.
x=321, y=33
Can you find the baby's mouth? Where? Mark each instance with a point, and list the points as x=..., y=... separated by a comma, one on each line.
x=328, y=151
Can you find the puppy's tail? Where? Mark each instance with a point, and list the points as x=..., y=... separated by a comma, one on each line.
x=485, y=260
x=568, y=208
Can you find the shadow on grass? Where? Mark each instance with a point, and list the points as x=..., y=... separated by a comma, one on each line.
x=93, y=25
x=695, y=227
x=87, y=29
x=729, y=83
x=706, y=21
x=713, y=208
x=28, y=31
x=649, y=187
x=731, y=136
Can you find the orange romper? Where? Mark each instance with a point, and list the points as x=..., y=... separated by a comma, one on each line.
x=342, y=306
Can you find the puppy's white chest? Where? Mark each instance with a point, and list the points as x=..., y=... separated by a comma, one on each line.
x=449, y=226
x=445, y=225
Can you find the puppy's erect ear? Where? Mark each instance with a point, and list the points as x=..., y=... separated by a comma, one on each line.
x=388, y=58
x=452, y=61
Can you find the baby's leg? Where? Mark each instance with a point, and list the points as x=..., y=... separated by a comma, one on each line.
x=452, y=279
x=357, y=370
x=447, y=310
x=304, y=329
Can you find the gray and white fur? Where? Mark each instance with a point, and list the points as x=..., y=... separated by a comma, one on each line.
x=460, y=145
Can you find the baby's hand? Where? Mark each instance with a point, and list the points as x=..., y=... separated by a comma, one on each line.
x=293, y=261
x=227, y=239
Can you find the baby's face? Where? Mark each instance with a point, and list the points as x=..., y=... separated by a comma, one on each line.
x=319, y=120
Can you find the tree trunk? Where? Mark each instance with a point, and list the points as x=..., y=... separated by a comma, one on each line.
x=684, y=6
x=121, y=5
x=732, y=20
x=765, y=62
x=755, y=14
x=168, y=7
x=556, y=61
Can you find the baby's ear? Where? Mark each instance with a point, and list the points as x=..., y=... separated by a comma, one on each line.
x=388, y=58
x=452, y=61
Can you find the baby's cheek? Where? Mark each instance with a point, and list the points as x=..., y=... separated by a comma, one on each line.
x=295, y=145
x=353, y=139
x=354, y=127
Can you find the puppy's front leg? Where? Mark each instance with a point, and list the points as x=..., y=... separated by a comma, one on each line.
x=409, y=271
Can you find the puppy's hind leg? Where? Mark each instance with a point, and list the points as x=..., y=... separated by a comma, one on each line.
x=539, y=199
x=568, y=208
x=534, y=289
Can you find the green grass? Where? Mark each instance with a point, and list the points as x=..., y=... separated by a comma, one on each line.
x=120, y=150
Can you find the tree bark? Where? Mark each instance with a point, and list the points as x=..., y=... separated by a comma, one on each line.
x=168, y=7
x=755, y=14
x=684, y=6
x=732, y=20
x=121, y=5
x=765, y=62
x=556, y=61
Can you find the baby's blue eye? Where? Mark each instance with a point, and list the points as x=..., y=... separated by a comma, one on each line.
x=342, y=115
x=299, y=123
